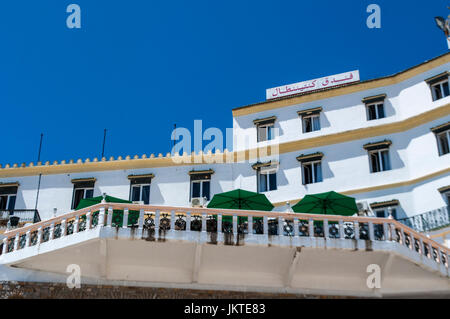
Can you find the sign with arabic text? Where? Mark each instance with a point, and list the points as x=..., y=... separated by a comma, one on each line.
x=312, y=85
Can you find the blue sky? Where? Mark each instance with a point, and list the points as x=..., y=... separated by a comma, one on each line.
x=137, y=67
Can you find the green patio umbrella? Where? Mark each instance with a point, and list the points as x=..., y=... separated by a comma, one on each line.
x=97, y=200
x=330, y=203
x=240, y=199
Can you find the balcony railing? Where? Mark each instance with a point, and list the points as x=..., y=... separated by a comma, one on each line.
x=18, y=217
x=428, y=221
x=156, y=222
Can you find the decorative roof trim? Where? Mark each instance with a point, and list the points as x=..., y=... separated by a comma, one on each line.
x=444, y=189
x=82, y=180
x=258, y=165
x=437, y=78
x=393, y=202
x=304, y=158
x=265, y=120
x=16, y=184
x=130, y=177
x=377, y=145
x=208, y=171
x=374, y=99
x=441, y=128
x=312, y=111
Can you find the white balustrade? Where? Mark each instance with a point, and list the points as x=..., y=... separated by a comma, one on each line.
x=125, y=218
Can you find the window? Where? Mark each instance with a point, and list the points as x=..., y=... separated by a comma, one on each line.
x=8, y=197
x=384, y=212
x=311, y=168
x=267, y=180
x=310, y=119
x=311, y=123
x=82, y=188
x=140, y=188
x=375, y=111
x=381, y=209
x=439, y=86
x=443, y=142
x=379, y=156
x=201, y=184
x=312, y=172
x=265, y=129
x=445, y=192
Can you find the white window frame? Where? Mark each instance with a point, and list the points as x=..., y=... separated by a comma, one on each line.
x=447, y=134
x=440, y=84
x=377, y=116
x=379, y=160
x=313, y=174
x=312, y=116
x=267, y=171
x=140, y=191
x=84, y=193
x=386, y=211
x=267, y=129
x=8, y=199
x=200, y=181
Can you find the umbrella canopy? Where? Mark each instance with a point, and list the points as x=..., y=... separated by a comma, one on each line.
x=240, y=199
x=97, y=200
x=330, y=203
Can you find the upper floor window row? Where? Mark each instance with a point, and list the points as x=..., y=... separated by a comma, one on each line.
x=8, y=194
x=266, y=176
x=265, y=129
x=310, y=119
x=439, y=86
x=375, y=107
x=379, y=158
x=140, y=188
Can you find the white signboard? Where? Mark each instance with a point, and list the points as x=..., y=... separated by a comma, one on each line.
x=317, y=84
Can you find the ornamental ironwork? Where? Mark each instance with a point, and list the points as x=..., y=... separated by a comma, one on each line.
x=196, y=223
x=164, y=223
x=180, y=223
x=57, y=231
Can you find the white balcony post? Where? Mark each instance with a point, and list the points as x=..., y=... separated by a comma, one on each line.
x=110, y=216
x=5, y=246
x=393, y=233
x=172, y=220
x=371, y=232
x=76, y=224
x=296, y=233
x=51, y=231
x=402, y=233
x=125, y=218
x=219, y=223
x=28, y=238
x=63, y=227
x=341, y=229
x=422, y=247
x=88, y=220
x=356, y=225
x=250, y=225
x=203, y=222
x=235, y=224
x=141, y=219
x=188, y=221
x=39, y=236
x=311, y=227
x=101, y=217
x=413, y=241
x=280, y=226
x=386, y=231
x=430, y=249
x=16, y=241
x=326, y=230
x=266, y=225
x=157, y=214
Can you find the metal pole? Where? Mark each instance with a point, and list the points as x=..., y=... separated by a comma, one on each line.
x=40, y=175
x=104, y=140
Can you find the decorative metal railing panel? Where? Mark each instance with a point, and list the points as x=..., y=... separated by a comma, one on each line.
x=23, y=215
x=156, y=221
x=428, y=221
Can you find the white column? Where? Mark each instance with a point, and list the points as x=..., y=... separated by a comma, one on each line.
x=356, y=225
x=172, y=220
x=141, y=219
x=5, y=245
x=219, y=224
x=250, y=225
x=234, y=224
x=386, y=231
x=326, y=230
x=341, y=229
x=311, y=227
x=157, y=213
x=51, y=231
x=39, y=236
x=63, y=227
x=188, y=221
x=296, y=227
x=76, y=224
x=265, y=225
x=371, y=232
x=16, y=241
x=125, y=218
x=88, y=220
x=280, y=226
x=101, y=217
x=393, y=233
x=110, y=216
x=203, y=223
x=402, y=233
x=28, y=239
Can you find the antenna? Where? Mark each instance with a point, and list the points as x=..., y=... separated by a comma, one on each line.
x=40, y=175
x=104, y=140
